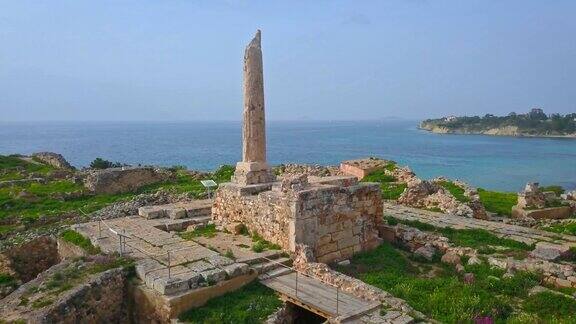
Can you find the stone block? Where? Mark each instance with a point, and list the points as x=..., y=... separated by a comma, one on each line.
x=145, y=266
x=237, y=269
x=334, y=256
x=347, y=252
x=199, y=266
x=324, y=239
x=326, y=248
x=170, y=286
x=152, y=212
x=214, y=275
x=550, y=251
x=177, y=213
x=344, y=234
x=348, y=241
x=219, y=260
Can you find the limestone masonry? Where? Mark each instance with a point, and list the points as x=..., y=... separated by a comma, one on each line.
x=253, y=169
x=335, y=216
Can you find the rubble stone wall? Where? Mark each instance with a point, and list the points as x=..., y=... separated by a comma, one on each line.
x=267, y=213
x=337, y=218
x=30, y=259
x=102, y=299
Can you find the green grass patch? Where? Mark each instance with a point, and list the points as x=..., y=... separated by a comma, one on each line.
x=392, y=190
x=378, y=176
x=78, y=239
x=251, y=304
x=206, y=231
x=442, y=296
x=14, y=168
x=479, y=239
x=223, y=174
x=498, y=202
x=455, y=190
x=260, y=244
x=551, y=307
x=558, y=190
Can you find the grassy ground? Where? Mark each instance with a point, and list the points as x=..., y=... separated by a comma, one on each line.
x=390, y=188
x=482, y=240
x=498, y=202
x=436, y=290
x=207, y=231
x=455, y=190
x=78, y=239
x=566, y=228
x=13, y=168
x=251, y=304
x=74, y=274
x=59, y=197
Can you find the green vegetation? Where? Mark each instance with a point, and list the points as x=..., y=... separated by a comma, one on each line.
x=27, y=202
x=550, y=307
x=14, y=168
x=72, y=275
x=224, y=173
x=558, y=190
x=392, y=190
x=536, y=122
x=455, y=190
x=479, y=239
x=439, y=292
x=379, y=176
x=79, y=240
x=391, y=166
x=100, y=163
x=260, y=244
x=251, y=304
x=206, y=231
x=498, y=202
x=563, y=228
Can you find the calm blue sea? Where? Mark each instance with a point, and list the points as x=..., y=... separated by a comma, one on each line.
x=502, y=163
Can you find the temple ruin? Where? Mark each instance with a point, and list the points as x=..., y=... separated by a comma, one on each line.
x=335, y=216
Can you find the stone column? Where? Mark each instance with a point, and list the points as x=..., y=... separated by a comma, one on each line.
x=253, y=169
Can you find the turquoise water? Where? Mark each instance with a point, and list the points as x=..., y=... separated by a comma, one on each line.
x=502, y=163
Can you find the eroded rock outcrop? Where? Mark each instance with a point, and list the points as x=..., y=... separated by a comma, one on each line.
x=124, y=179
x=54, y=159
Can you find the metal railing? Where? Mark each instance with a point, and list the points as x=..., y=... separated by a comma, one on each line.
x=299, y=273
x=155, y=256
x=123, y=243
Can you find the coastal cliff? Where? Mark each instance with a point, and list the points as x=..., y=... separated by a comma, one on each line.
x=533, y=124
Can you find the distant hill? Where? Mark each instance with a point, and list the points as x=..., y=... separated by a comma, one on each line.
x=534, y=123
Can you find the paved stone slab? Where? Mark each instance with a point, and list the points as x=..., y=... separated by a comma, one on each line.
x=514, y=232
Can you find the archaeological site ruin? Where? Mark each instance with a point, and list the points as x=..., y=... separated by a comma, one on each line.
x=366, y=241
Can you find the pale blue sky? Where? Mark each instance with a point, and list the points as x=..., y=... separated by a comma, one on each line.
x=182, y=59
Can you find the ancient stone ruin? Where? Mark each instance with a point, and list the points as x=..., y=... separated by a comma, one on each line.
x=336, y=216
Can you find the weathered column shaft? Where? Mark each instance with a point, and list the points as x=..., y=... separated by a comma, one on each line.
x=253, y=169
x=254, y=126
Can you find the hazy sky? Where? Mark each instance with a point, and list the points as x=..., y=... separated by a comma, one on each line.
x=182, y=59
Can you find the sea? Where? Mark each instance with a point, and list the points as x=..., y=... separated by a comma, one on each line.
x=490, y=162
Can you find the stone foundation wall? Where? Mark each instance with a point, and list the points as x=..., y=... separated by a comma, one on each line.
x=338, y=221
x=336, y=216
x=102, y=299
x=26, y=261
x=266, y=213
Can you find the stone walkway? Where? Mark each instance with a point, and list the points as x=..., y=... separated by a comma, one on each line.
x=514, y=232
x=165, y=262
